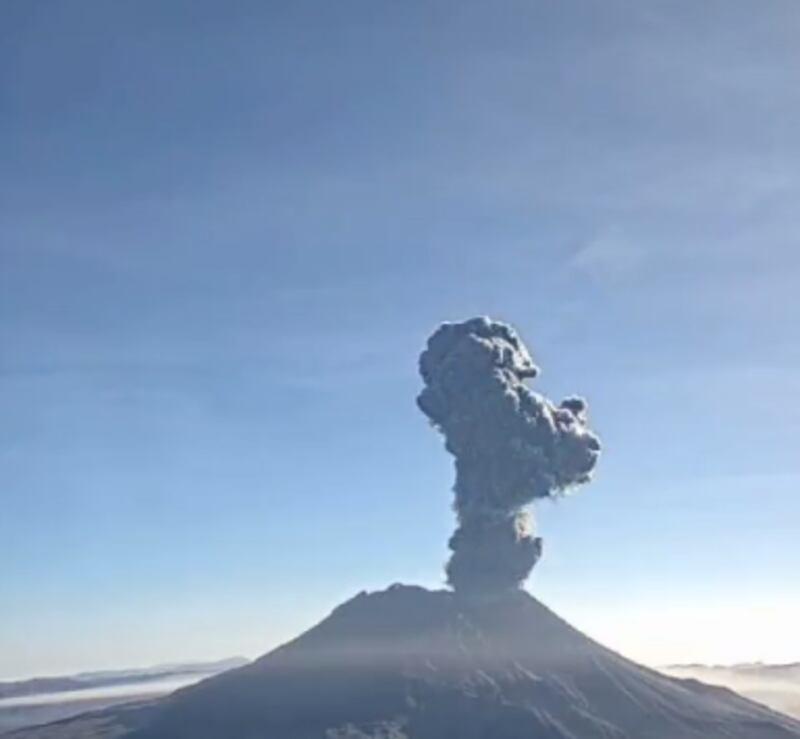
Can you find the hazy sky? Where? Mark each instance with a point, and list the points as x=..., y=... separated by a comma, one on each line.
x=227, y=229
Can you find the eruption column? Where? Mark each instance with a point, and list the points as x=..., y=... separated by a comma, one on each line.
x=510, y=445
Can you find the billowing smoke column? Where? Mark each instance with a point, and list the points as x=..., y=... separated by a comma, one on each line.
x=510, y=445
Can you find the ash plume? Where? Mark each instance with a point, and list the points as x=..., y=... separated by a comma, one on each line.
x=511, y=446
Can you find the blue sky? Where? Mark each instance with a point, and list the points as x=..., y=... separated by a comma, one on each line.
x=226, y=230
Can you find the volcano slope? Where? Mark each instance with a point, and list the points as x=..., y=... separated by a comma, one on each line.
x=408, y=663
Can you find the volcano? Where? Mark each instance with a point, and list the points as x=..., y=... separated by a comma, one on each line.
x=484, y=660
x=409, y=663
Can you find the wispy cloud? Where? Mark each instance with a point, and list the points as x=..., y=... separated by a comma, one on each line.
x=609, y=257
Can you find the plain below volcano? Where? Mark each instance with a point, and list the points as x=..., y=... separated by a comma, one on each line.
x=408, y=663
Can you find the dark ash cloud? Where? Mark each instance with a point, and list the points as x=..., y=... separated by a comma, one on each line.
x=511, y=446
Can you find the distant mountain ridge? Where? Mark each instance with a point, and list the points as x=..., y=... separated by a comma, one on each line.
x=106, y=678
x=782, y=670
x=774, y=685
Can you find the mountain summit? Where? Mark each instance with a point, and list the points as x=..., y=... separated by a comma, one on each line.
x=408, y=663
